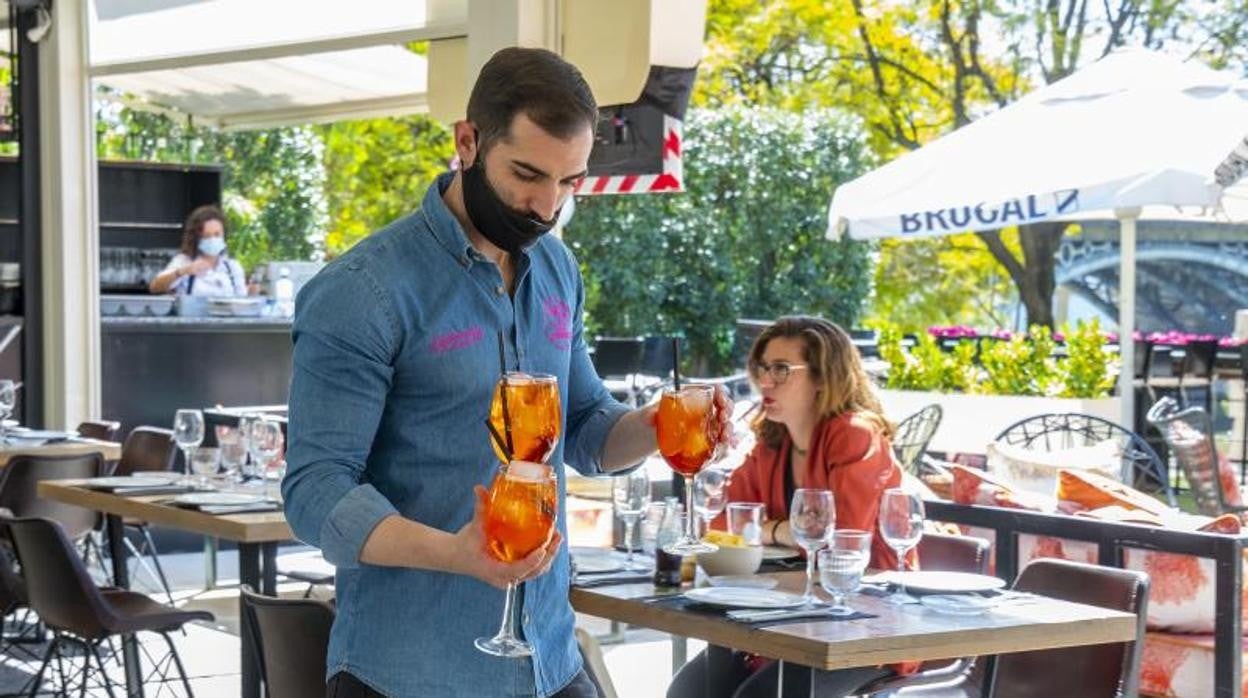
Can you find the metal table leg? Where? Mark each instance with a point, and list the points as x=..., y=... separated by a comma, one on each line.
x=121, y=577
x=264, y=580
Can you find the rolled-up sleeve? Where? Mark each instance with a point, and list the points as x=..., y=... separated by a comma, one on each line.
x=592, y=412
x=345, y=333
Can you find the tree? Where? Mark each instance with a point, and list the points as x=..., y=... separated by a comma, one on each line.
x=377, y=170
x=745, y=240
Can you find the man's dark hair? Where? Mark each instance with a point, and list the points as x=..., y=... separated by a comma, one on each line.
x=534, y=82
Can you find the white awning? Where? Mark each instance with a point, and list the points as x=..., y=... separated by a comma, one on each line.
x=249, y=64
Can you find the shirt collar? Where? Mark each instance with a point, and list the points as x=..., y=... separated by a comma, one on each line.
x=447, y=230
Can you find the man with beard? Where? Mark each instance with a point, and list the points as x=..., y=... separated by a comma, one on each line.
x=395, y=362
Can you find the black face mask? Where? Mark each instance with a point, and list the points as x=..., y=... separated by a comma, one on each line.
x=508, y=229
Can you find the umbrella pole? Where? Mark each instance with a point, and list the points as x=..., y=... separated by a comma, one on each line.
x=1127, y=218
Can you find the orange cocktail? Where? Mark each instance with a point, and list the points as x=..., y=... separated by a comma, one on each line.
x=685, y=427
x=521, y=514
x=534, y=414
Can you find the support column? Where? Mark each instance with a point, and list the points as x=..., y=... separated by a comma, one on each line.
x=1127, y=218
x=69, y=215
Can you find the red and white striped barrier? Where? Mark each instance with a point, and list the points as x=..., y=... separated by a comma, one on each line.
x=671, y=179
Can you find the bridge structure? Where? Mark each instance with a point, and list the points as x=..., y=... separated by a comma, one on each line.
x=1190, y=276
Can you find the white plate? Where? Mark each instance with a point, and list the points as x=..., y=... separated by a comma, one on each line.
x=933, y=582
x=199, y=499
x=737, y=597
x=779, y=552
x=596, y=564
x=958, y=604
x=743, y=581
x=127, y=481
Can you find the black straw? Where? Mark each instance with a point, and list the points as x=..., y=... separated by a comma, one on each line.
x=498, y=440
x=676, y=362
x=502, y=391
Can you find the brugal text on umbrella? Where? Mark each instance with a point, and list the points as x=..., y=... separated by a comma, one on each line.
x=1031, y=208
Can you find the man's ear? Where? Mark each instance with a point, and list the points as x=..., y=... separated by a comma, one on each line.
x=466, y=142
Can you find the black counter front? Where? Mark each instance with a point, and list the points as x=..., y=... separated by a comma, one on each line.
x=152, y=366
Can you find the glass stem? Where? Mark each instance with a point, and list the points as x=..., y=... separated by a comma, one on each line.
x=508, y=627
x=810, y=575
x=628, y=539
x=691, y=525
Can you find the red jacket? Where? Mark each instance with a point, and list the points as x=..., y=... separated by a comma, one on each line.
x=848, y=455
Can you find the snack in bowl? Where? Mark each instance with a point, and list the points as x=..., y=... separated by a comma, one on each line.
x=734, y=557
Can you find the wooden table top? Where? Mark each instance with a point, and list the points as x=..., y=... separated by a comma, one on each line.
x=896, y=634
x=110, y=449
x=258, y=527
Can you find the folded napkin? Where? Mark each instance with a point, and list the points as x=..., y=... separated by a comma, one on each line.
x=777, y=617
x=588, y=581
x=227, y=509
x=146, y=491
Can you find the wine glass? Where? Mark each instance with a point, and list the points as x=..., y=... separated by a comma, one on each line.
x=533, y=416
x=233, y=451
x=631, y=495
x=266, y=443
x=519, y=519
x=901, y=525
x=526, y=418
x=247, y=468
x=8, y=399
x=709, y=496
x=812, y=516
x=188, y=433
x=684, y=424
x=841, y=566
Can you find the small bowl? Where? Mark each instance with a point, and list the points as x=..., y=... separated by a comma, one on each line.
x=731, y=561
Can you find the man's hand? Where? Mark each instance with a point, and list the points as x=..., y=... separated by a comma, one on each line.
x=477, y=561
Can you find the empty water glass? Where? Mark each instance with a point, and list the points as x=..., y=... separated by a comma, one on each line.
x=745, y=519
x=650, y=523
x=841, y=566
x=631, y=496
x=205, y=463
x=709, y=496
x=233, y=451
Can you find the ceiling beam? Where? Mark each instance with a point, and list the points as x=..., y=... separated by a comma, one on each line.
x=322, y=113
x=430, y=32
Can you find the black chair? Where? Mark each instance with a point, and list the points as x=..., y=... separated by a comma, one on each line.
x=293, y=637
x=1141, y=466
x=1189, y=436
x=19, y=489
x=147, y=449
x=80, y=613
x=99, y=430
x=913, y=435
x=657, y=358
x=1199, y=361
x=618, y=361
x=1098, y=670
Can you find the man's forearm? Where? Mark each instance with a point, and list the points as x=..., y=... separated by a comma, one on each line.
x=630, y=440
x=400, y=542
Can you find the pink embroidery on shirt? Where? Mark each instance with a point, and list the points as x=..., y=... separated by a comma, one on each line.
x=557, y=322
x=454, y=341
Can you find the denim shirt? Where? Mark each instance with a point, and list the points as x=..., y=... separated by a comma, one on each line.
x=395, y=361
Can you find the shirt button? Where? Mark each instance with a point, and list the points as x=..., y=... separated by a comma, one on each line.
x=499, y=290
x=526, y=619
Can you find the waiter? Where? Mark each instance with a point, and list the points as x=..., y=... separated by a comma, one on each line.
x=202, y=267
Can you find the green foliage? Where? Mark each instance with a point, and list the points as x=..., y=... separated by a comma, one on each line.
x=1087, y=364
x=377, y=170
x=1020, y=365
x=6, y=77
x=273, y=181
x=745, y=240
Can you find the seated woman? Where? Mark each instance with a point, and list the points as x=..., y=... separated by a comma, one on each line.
x=202, y=266
x=821, y=426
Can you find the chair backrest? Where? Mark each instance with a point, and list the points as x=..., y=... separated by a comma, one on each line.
x=1161, y=361
x=1141, y=466
x=657, y=356
x=1199, y=358
x=913, y=435
x=617, y=357
x=102, y=430
x=951, y=553
x=147, y=449
x=1189, y=436
x=21, y=477
x=293, y=636
x=57, y=583
x=1097, y=670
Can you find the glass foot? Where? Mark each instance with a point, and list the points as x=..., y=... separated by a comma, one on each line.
x=501, y=646
x=840, y=611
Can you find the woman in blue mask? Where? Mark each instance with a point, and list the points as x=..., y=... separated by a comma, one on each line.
x=202, y=267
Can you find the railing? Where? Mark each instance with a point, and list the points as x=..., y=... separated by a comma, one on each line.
x=1111, y=539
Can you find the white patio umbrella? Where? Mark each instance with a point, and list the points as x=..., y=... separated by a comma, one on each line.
x=1133, y=131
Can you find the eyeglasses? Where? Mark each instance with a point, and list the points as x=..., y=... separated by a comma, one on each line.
x=778, y=372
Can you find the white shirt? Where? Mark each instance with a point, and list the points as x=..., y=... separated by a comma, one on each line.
x=224, y=279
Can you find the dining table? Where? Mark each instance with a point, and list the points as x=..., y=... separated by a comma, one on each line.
x=256, y=533
x=880, y=632
x=74, y=446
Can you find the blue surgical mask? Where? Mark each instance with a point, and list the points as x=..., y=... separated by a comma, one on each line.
x=213, y=246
